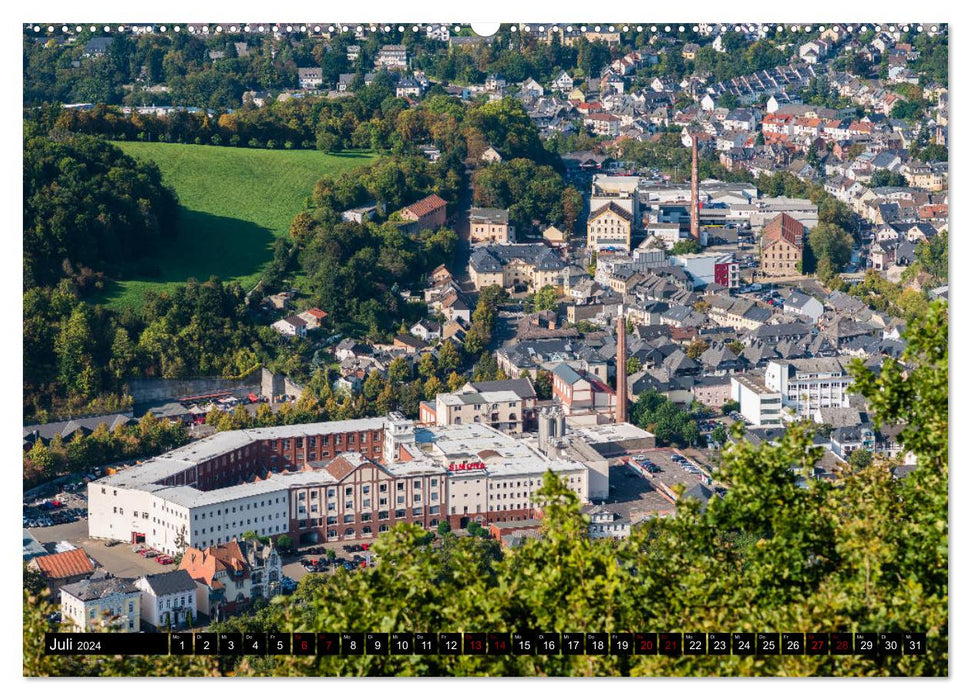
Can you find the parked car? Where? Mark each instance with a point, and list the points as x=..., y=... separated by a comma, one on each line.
x=112, y=543
x=150, y=553
x=165, y=559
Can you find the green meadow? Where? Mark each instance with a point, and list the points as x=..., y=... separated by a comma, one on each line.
x=234, y=202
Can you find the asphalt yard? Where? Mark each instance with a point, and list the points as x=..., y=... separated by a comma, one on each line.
x=633, y=496
x=638, y=494
x=120, y=560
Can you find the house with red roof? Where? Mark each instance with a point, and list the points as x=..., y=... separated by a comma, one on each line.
x=63, y=568
x=229, y=576
x=313, y=317
x=426, y=213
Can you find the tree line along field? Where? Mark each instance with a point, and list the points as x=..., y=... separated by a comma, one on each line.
x=234, y=202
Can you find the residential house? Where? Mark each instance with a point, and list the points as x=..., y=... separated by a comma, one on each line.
x=605, y=523
x=408, y=87
x=293, y=325
x=712, y=391
x=63, y=568
x=313, y=317
x=97, y=47
x=602, y=123
x=530, y=265
x=428, y=213
x=310, y=78
x=803, y=305
x=738, y=313
x=563, y=82
x=807, y=385
x=168, y=601
x=531, y=88
x=231, y=575
x=392, y=57
x=101, y=604
x=490, y=226
x=426, y=330
x=409, y=343
x=494, y=83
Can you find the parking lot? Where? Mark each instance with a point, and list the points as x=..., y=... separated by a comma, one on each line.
x=120, y=560
x=633, y=496
x=61, y=508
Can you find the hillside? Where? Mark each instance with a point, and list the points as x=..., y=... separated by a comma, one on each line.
x=234, y=202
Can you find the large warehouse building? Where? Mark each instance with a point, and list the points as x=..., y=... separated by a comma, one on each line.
x=344, y=480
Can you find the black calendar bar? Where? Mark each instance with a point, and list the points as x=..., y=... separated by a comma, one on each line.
x=860, y=644
x=81, y=643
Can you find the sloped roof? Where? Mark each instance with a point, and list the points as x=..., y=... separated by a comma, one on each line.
x=426, y=206
x=95, y=589
x=783, y=226
x=613, y=207
x=567, y=373
x=74, y=562
x=203, y=564
x=340, y=467
x=170, y=582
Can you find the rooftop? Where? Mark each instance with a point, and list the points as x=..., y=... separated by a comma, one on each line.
x=74, y=562
x=96, y=589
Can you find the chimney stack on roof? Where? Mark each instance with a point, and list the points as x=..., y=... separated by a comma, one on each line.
x=694, y=188
x=621, y=413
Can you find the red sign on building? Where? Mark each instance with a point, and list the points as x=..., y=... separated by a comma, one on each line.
x=465, y=466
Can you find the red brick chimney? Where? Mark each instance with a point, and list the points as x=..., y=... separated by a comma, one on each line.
x=694, y=188
x=621, y=413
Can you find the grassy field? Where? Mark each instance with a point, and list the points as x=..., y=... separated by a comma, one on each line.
x=234, y=203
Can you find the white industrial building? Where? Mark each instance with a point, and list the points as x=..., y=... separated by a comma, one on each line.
x=342, y=480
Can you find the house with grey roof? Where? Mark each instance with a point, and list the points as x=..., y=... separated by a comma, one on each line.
x=68, y=429
x=168, y=600
x=803, y=305
x=101, y=605
x=530, y=265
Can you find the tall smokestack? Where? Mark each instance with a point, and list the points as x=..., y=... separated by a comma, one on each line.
x=694, y=188
x=621, y=413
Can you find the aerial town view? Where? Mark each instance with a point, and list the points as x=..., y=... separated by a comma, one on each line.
x=409, y=350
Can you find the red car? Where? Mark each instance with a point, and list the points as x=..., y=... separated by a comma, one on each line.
x=165, y=559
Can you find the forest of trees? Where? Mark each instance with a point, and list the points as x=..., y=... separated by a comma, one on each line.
x=531, y=193
x=867, y=551
x=88, y=207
